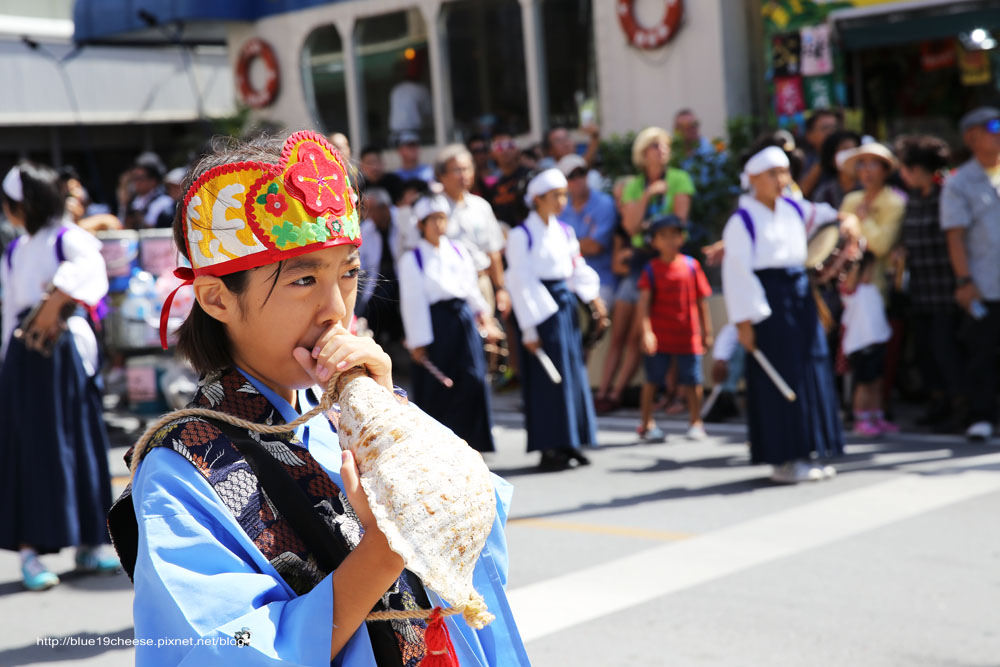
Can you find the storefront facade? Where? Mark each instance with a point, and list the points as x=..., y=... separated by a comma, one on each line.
x=525, y=65
x=896, y=66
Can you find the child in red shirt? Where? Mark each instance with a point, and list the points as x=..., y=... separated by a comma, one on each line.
x=673, y=311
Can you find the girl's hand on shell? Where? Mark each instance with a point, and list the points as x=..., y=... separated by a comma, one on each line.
x=351, y=478
x=338, y=350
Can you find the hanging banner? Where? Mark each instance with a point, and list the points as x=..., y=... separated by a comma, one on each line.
x=817, y=57
x=974, y=66
x=788, y=96
x=819, y=92
x=785, y=54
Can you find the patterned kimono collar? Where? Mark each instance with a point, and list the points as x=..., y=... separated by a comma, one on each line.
x=232, y=392
x=217, y=457
x=284, y=409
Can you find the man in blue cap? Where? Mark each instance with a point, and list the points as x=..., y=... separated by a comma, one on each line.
x=970, y=213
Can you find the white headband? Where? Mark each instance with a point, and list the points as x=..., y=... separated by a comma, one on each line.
x=12, y=184
x=769, y=158
x=547, y=181
x=428, y=205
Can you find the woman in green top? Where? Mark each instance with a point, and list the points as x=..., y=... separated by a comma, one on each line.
x=657, y=190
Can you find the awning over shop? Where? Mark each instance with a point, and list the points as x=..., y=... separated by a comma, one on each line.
x=902, y=22
x=103, y=85
x=144, y=22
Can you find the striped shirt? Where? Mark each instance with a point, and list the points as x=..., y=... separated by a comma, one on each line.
x=677, y=288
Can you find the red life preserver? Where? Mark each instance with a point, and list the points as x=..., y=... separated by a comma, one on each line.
x=257, y=98
x=656, y=36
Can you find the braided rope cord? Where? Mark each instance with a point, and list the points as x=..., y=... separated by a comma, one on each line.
x=333, y=389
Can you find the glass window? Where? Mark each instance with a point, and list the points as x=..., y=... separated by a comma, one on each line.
x=395, y=84
x=323, y=79
x=485, y=59
x=568, y=49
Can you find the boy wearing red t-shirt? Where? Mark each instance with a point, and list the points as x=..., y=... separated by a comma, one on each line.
x=673, y=310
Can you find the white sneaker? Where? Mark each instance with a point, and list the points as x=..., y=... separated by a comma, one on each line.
x=696, y=432
x=980, y=431
x=827, y=471
x=794, y=472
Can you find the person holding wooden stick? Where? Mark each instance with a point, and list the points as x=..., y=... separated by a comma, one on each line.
x=256, y=549
x=768, y=296
x=54, y=484
x=443, y=314
x=546, y=274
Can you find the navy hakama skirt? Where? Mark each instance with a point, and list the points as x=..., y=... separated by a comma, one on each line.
x=793, y=340
x=457, y=350
x=558, y=416
x=55, y=489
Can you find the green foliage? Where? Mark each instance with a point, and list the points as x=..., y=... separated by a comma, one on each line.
x=616, y=156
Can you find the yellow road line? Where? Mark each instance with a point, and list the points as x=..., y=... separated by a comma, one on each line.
x=601, y=529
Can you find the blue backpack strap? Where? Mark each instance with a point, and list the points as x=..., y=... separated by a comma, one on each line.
x=454, y=245
x=567, y=230
x=651, y=277
x=798, y=207
x=748, y=223
x=10, y=252
x=528, y=234
x=60, y=254
x=691, y=265
x=420, y=260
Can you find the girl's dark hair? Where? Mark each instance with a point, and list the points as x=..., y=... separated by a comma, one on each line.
x=923, y=150
x=202, y=339
x=43, y=199
x=828, y=152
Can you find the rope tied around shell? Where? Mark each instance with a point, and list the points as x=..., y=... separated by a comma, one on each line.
x=474, y=611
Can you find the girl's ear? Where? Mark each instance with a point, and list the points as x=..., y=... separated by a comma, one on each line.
x=215, y=299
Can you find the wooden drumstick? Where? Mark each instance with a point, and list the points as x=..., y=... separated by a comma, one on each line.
x=712, y=398
x=776, y=378
x=550, y=368
x=436, y=372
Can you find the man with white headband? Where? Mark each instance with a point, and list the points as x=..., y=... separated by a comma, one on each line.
x=443, y=312
x=545, y=275
x=768, y=296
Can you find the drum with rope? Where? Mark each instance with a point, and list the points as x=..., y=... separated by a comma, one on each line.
x=831, y=253
x=253, y=96
x=652, y=37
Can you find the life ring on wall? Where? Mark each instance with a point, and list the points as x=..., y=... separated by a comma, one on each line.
x=655, y=36
x=257, y=98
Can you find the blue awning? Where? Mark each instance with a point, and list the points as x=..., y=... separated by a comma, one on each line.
x=148, y=22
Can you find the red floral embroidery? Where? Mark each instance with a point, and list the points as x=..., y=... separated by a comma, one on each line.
x=276, y=204
x=320, y=184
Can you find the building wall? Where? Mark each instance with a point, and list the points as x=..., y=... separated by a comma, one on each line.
x=695, y=69
x=705, y=67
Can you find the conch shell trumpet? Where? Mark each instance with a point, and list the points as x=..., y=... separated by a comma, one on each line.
x=431, y=494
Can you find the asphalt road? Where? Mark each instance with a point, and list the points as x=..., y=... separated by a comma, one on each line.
x=682, y=554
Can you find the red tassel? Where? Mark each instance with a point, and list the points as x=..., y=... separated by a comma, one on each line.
x=440, y=651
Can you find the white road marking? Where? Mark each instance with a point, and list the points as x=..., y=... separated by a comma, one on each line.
x=555, y=604
x=515, y=421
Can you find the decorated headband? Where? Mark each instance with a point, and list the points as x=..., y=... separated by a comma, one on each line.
x=247, y=214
